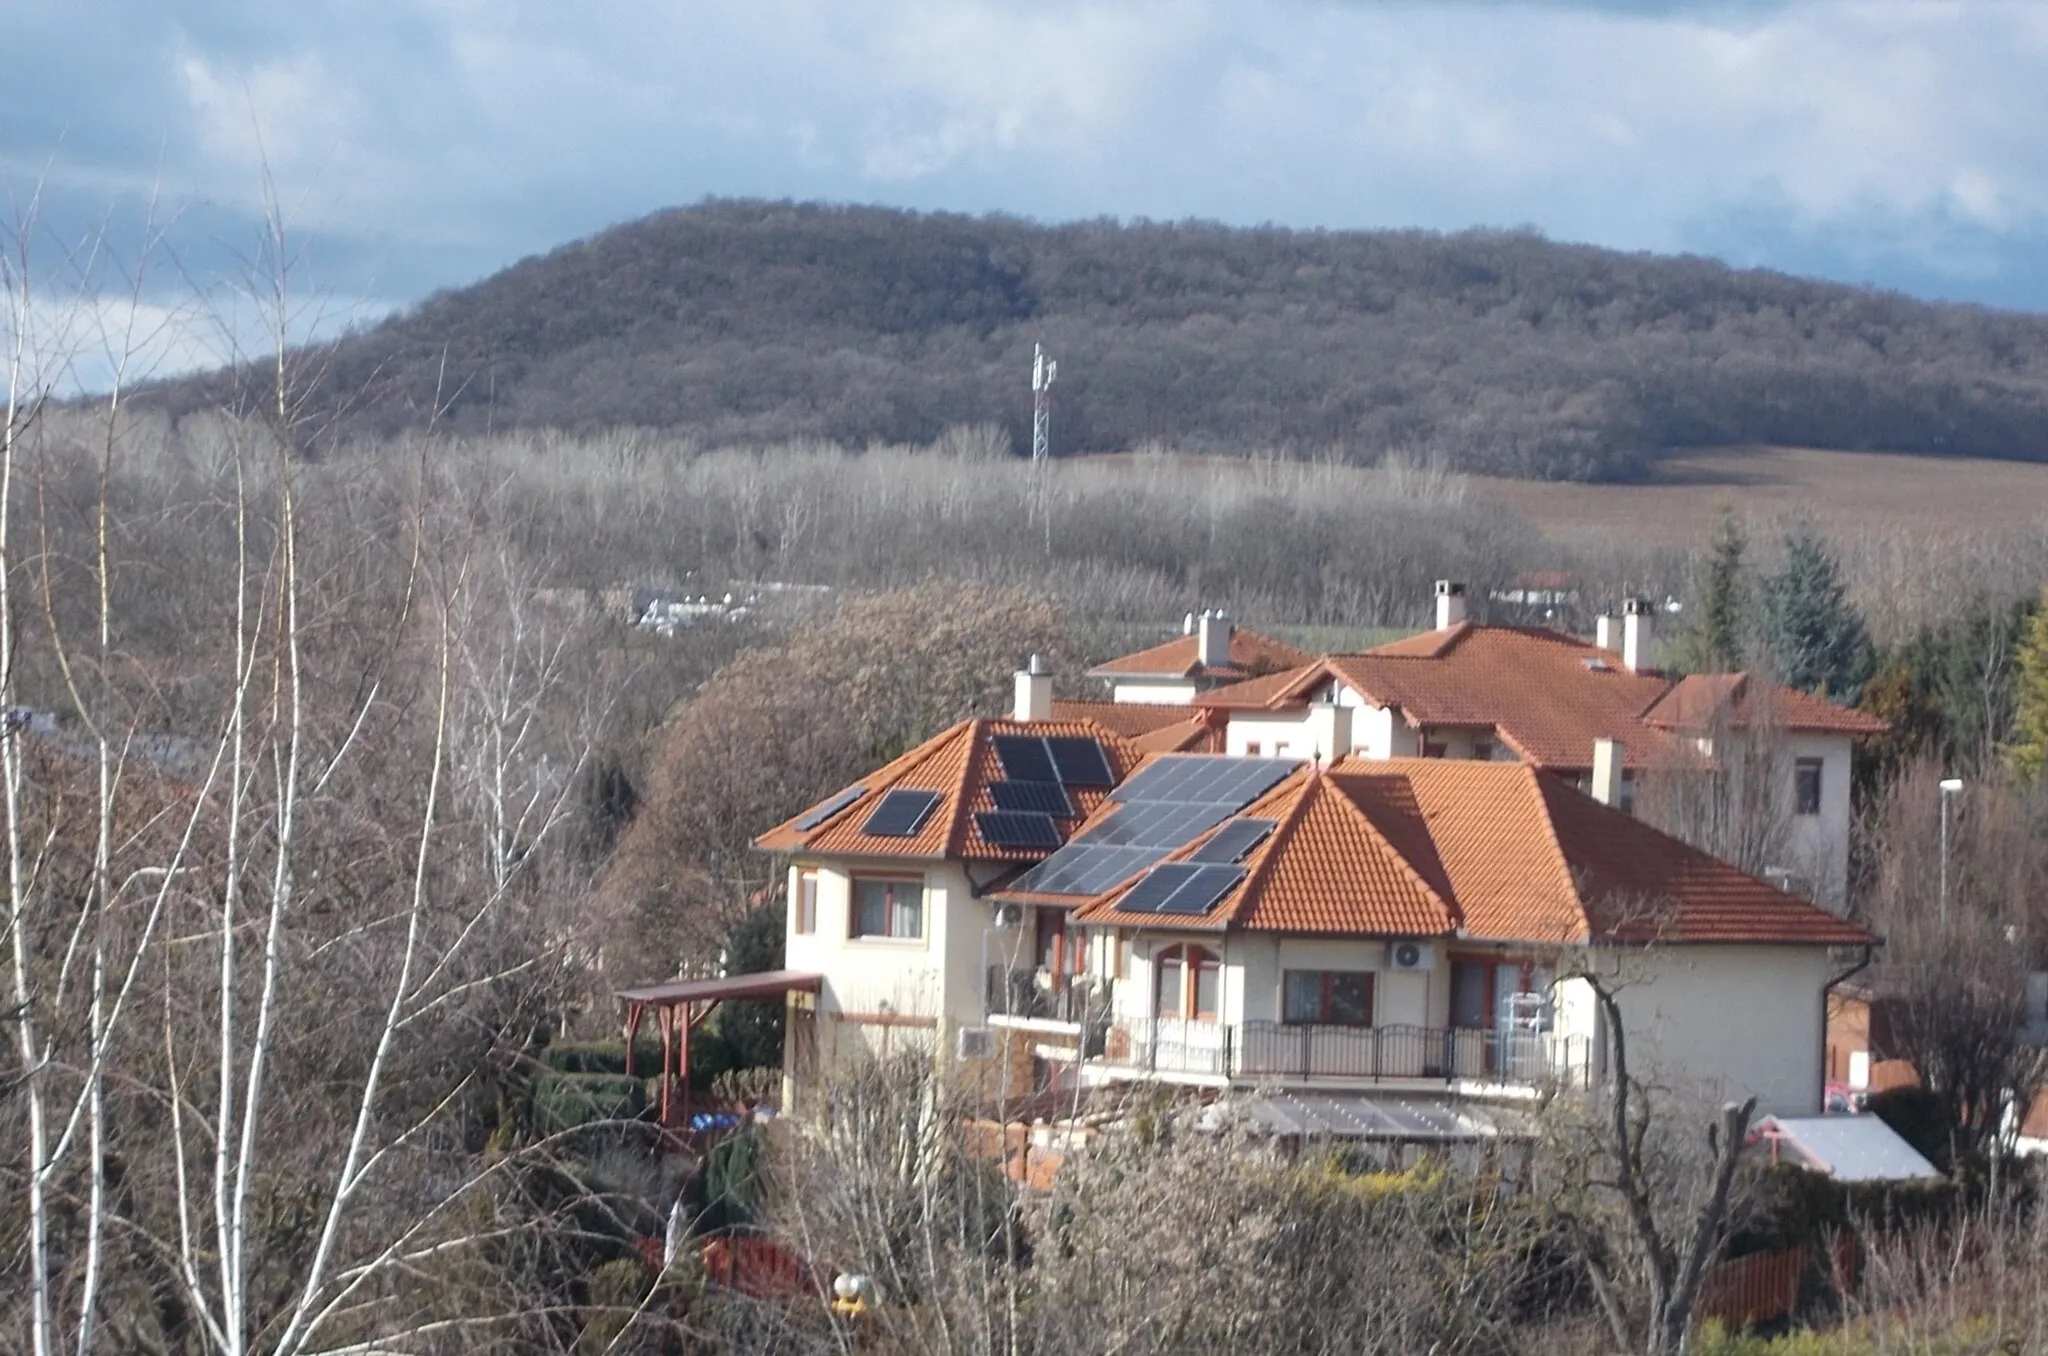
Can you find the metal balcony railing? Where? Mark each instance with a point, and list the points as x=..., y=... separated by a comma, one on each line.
x=1312, y=1052
x=1042, y=996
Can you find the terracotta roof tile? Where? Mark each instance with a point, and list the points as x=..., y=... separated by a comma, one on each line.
x=1251, y=655
x=958, y=764
x=1491, y=851
x=1699, y=701
x=1129, y=719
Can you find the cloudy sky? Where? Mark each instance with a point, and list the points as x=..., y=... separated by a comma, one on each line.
x=418, y=144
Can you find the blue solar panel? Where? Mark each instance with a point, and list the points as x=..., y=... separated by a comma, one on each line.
x=1234, y=841
x=900, y=814
x=1186, y=888
x=1079, y=760
x=825, y=809
x=1024, y=758
x=1172, y=802
x=1046, y=798
x=1017, y=829
x=1150, y=894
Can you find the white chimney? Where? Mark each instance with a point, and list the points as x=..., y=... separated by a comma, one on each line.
x=1034, y=690
x=1329, y=731
x=1607, y=632
x=1450, y=604
x=1212, y=639
x=1187, y=628
x=1638, y=622
x=1607, y=771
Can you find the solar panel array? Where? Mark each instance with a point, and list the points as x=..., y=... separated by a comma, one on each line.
x=1187, y=888
x=900, y=814
x=1015, y=829
x=825, y=809
x=1172, y=802
x=1045, y=798
x=1234, y=841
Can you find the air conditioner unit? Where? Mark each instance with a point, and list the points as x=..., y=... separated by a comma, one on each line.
x=974, y=1042
x=1411, y=956
x=1009, y=915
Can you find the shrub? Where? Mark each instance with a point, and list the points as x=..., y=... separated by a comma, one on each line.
x=565, y=1101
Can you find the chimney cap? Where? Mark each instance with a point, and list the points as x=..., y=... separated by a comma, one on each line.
x=1636, y=607
x=1037, y=666
x=1449, y=588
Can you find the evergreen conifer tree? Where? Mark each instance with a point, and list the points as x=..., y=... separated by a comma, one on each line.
x=2027, y=752
x=1816, y=640
x=1716, y=641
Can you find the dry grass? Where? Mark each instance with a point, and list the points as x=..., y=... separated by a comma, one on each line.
x=1844, y=491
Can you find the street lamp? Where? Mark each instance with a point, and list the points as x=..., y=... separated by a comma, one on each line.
x=1949, y=787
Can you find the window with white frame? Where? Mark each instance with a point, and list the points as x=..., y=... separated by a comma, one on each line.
x=890, y=907
x=1806, y=786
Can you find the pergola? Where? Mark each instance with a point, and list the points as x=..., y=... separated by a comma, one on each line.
x=681, y=1004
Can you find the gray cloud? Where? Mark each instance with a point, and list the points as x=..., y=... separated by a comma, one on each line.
x=420, y=143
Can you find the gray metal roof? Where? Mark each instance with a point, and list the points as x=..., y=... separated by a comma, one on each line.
x=1380, y=1116
x=1848, y=1148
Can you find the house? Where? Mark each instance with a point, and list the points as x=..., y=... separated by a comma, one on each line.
x=1209, y=652
x=1541, y=697
x=1055, y=906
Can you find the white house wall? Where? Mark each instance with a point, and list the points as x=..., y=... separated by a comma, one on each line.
x=1820, y=843
x=1716, y=1022
x=1252, y=967
x=1276, y=736
x=1153, y=694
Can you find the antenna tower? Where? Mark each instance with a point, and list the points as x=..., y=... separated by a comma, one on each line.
x=1043, y=370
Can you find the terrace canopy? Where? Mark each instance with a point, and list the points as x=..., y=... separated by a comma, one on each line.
x=679, y=1005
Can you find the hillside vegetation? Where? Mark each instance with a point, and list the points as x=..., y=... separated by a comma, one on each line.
x=752, y=322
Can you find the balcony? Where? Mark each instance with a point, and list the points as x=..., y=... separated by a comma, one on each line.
x=1040, y=996
x=1278, y=1052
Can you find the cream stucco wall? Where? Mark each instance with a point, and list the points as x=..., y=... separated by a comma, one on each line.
x=1152, y=693
x=1251, y=976
x=1276, y=736
x=1715, y=1022
x=938, y=976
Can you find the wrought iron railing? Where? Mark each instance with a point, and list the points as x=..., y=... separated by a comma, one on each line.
x=1312, y=1052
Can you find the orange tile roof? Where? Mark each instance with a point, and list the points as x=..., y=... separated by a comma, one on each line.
x=1198, y=733
x=1699, y=701
x=1251, y=655
x=1487, y=851
x=1129, y=719
x=958, y=764
x=1546, y=695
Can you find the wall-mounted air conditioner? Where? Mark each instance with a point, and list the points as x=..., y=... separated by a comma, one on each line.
x=974, y=1042
x=1411, y=956
x=1009, y=915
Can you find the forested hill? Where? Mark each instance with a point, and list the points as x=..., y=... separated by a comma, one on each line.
x=757, y=322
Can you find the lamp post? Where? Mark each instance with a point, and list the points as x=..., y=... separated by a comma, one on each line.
x=1949, y=787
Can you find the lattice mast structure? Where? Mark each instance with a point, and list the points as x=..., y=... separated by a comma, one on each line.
x=1043, y=370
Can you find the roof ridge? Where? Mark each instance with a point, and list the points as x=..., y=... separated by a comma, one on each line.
x=1268, y=852
x=1530, y=776
x=956, y=836
x=1453, y=910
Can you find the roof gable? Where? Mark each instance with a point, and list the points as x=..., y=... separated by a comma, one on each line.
x=1250, y=654
x=958, y=764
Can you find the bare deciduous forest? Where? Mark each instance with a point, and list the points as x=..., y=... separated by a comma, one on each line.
x=342, y=791
x=755, y=323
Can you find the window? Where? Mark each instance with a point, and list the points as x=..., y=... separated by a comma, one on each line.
x=1806, y=786
x=1482, y=749
x=807, y=901
x=1279, y=748
x=1431, y=749
x=1251, y=748
x=1329, y=997
x=1506, y=994
x=1189, y=983
x=888, y=908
